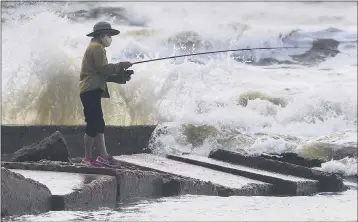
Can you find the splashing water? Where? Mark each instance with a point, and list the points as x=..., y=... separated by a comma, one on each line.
x=275, y=101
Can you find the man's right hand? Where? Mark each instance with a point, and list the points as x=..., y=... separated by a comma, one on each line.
x=126, y=64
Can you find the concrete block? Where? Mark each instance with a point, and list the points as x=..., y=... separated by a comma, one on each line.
x=134, y=184
x=294, y=158
x=74, y=191
x=52, y=147
x=327, y=182
x=20, y=195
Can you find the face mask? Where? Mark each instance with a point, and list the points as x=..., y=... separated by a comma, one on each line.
x=106, y=40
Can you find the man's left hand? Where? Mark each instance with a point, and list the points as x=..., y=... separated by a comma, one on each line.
x=122, y=78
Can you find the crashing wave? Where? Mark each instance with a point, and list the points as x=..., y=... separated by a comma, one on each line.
x=346, y=166
x=252, y=95
x=118, y=14
x=319, y=51
x=189, y=41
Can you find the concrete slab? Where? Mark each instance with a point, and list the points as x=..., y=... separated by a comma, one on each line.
x=20, y=195
x=72, y=191
x=327, y=182
x=283, y=184
x=233, y=185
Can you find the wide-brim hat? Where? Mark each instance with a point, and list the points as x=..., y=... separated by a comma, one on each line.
x=103, y=27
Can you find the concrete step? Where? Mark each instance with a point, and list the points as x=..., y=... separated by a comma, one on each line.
x=327, y=182
x=283, y=184
x=216, y=182
x=71, y=191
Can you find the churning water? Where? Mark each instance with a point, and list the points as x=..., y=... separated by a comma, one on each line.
x=322, y=207
x=298, y=100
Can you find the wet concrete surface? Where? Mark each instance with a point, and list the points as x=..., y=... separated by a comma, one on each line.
x=60, y=183
x=55, y=166
x=195, y=172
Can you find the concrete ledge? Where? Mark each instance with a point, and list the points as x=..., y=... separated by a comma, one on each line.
x=282, y=184
x=327, y=182
x=119, y=139
x=135, y=184
x=59, y=167
x=20, y=195
x=198, y=180
x=198, y=187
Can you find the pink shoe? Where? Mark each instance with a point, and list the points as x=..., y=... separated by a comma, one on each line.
x=91, y=162
x=110, y=161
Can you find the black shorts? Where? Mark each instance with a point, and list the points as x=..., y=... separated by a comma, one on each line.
x=92, y=109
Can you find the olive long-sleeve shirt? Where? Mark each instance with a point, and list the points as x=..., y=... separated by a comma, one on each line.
x=95, y=69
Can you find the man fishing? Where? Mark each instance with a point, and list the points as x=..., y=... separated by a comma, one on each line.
x=95, y=73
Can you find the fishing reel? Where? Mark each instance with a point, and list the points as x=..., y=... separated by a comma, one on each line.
x=121, y=79
x=128, y=72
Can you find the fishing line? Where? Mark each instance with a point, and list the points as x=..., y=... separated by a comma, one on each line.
x=235, y=50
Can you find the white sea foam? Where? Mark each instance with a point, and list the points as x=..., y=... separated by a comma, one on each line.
x=346, y=166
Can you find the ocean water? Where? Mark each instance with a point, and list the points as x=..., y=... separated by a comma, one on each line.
x=321, y=207
x=261, y=101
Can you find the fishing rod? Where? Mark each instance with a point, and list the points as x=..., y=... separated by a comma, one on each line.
x=235, y=50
